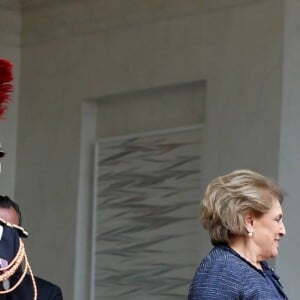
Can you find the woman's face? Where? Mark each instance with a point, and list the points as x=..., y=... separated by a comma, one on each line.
x=268, y=230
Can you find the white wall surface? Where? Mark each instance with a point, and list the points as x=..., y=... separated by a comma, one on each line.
x=154, y=109
x=83, y=50
x=244, y=89
x=288, y=264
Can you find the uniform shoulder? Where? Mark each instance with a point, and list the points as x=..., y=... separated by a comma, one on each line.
x=43, y=282
x=47, y=289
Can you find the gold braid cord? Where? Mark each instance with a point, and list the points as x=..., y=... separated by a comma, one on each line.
x=11, y=268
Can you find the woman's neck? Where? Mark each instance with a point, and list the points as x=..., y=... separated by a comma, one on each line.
x=243, y=247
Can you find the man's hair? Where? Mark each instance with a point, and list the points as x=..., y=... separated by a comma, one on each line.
x=6, y=202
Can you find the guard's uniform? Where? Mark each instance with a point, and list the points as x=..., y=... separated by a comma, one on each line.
x=9, y=246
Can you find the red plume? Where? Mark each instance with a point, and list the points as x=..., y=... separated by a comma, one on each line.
x=6, y=87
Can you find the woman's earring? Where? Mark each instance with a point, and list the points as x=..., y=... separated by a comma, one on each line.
x=250, y=233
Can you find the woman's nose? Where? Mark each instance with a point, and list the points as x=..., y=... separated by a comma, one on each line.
x=282, y=229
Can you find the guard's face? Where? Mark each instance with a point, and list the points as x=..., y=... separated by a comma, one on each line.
x=10, y=215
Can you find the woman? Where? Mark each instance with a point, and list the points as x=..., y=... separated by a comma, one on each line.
x=242, y=213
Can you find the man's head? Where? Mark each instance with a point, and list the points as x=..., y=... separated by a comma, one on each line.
x=10, y=211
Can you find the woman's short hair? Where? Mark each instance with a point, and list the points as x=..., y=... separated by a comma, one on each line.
x=227, y=198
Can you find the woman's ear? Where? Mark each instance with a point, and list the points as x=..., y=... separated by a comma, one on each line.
x=249, y=221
